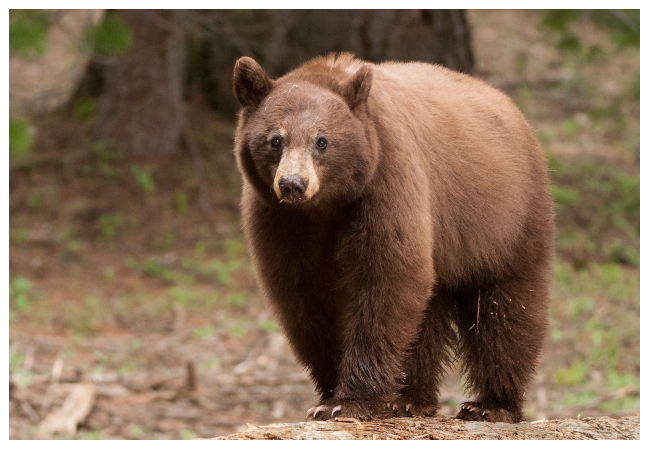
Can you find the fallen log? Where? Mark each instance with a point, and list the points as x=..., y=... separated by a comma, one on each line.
x=446, y=428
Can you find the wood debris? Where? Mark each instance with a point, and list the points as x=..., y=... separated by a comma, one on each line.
x=74, y=410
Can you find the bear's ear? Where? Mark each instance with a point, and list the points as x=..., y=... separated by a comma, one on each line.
x=250, y=82
x=357, y=87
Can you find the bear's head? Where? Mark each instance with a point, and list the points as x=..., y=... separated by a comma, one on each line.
x=305, y=138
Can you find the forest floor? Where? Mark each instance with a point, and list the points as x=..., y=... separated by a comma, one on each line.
x=135, y=274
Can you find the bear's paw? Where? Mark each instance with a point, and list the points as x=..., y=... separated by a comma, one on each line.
x=405, y=407
x=343, y=407
x=482, y=412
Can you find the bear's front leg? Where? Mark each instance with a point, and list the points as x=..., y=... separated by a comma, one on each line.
x=386, y=272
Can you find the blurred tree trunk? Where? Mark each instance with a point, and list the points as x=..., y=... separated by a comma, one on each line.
x=280, y=40
x=440, y=36
x=140, y=110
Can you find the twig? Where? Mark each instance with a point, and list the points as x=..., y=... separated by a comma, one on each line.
x=57, y=367
x=422, y=436
x=75, y=409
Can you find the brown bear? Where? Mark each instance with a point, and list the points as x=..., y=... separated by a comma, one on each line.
x=397, y=213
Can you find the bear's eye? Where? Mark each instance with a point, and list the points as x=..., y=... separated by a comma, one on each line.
x=321, y=143
x=276, y=142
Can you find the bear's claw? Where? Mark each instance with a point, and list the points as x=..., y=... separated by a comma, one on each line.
x=487, y=413
x=407, y=408
x=335, y=407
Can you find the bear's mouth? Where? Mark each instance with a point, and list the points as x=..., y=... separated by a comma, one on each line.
x=286, y=200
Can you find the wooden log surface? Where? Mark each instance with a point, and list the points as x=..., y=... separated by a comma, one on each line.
x=447, y=428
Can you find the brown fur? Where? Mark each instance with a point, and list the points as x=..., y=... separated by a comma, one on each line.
x=432, y=212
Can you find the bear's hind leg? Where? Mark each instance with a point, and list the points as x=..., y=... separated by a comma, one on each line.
x=501, y=331
x=430, y=354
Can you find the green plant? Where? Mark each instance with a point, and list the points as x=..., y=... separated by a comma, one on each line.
x=94, y=435
x=101, y=152
x=18, y=236
x=618, y=380
x=85, y=318
x=565, y=196
x=109, y=224
x=109, y=273
x=259, y=407
x=127, y=367
x=154, y=269
x=577, y=398
x=199, y=249
x=35, y=199
x=223, y=270
x=236, y=299
x=187, y=434
x=621, y=405
x=21, y=137
x=237, y=329
x=19, y=290
x=624, y=26
x=136, y=432
x=185, y=297
x=574, y=375
x=234, y=248
x=84, y=108
x=181, y=202
x=203, y=333
x=143, y=176
x=131, y=263
x=269, y=326
x=28, y=31
x=112, y=37
x=135, y=344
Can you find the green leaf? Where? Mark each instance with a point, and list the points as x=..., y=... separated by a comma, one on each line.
x=27, y=31
x=84, y=108
x=559, y=19
x=21, y=137
x=113, y=37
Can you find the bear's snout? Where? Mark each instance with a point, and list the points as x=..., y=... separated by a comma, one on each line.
x=292, y=187
x=296, y=180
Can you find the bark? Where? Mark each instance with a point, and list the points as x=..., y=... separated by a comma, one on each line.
x=280, y=40
x=46, y=82
x=417, y=428
x=140, y=111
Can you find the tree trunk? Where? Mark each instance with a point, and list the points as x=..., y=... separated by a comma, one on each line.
x=140, y=111
x=440, y=36
x=280, y=40
x=415, y=428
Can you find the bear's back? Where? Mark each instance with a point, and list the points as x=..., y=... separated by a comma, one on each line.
x=479, y=153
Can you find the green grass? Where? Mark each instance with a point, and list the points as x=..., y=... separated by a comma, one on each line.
x=238, y=328
x=577, y=398
x=572, y=376
x=269, y=326
x=594, y=328
x=20, y=290
x=598, y=212
x=144, y=178
x=110, y=225
x=203, y=333
x=86, y=318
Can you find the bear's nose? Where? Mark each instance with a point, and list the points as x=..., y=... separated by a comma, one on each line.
x=292, y=187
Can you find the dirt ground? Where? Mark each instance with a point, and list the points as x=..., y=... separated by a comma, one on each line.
x=134, y=275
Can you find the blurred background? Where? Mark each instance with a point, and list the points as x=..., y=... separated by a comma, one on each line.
x=131, y=292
